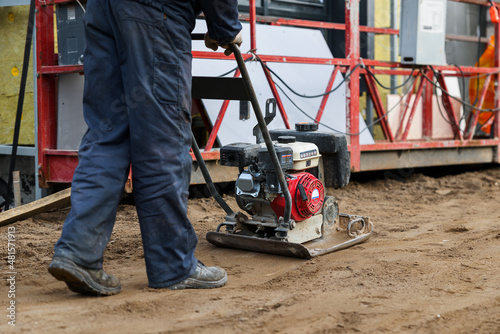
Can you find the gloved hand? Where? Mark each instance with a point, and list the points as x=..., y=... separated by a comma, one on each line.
x=213, y=44
x=237, y=40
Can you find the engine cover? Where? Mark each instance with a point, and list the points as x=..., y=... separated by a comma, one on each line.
x=308, y=195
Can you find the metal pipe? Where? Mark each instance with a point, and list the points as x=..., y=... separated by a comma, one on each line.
x=265, y=132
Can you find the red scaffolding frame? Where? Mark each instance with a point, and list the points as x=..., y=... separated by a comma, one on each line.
x=393, y=152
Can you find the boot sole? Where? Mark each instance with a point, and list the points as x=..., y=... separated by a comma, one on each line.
x=192, y=283
x=80, y=281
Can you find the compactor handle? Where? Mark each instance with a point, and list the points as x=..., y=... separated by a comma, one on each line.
x=265, y=132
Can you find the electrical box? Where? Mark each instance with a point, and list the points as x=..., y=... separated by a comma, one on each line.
x=422, y=32
x=70, y=33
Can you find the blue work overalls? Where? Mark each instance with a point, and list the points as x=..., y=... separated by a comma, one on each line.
x=137, y=102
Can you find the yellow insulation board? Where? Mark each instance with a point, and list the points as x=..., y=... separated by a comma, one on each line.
x=383, y=49
x=13, y=25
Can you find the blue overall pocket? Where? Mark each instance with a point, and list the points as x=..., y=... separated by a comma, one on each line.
x=166, y=82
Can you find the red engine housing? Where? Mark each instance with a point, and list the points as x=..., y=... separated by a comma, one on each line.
x=302, y=209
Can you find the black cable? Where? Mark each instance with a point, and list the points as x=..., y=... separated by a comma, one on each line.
x=341, y=132
x=463, y=102
x=20, y=102
x=234, y=69
x=449, y=120
x=389, y=88
x=311, y=96
x=464, y=133
x=476, y=131
x=462, y=75
x=456, y=98
x=340, y=84
x=436, y=86
x=303, y=95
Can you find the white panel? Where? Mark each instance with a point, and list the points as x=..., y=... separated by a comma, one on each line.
x=70, y=123
x=441, y=128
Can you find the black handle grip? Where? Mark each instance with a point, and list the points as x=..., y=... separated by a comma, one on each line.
x=302, y=192
x=197, y=37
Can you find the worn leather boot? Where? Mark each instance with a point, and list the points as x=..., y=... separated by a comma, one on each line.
x=94, y=282
x=203, y=278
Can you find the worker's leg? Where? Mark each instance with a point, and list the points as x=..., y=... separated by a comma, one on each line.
x=104, y=155
x=156, y=69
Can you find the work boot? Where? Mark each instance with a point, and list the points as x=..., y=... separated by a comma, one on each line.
x=94, y=282
x=203, y=278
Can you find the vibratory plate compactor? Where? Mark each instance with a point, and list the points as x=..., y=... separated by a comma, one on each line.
x=281, y=190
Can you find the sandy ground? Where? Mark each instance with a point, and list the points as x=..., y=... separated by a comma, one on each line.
x=432, y=266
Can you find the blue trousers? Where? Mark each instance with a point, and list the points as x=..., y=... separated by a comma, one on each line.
x=137, y=102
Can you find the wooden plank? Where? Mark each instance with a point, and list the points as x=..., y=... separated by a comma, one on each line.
x=45, y=204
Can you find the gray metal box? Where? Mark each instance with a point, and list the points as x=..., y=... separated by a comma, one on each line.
x=422, y=33
x=70, y=33
x=70, y=123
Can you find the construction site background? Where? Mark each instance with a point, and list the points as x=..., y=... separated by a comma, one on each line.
x=13, y=21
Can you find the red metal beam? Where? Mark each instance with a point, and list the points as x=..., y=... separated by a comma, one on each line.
x=57, y=69
x=379, y=107
x=427, y=97
x=387, y=72
x=467, y=70
x=448, y=70
x=325, y=97
x=333, y=26
x=46, y=87
x=415, y=145
x=60, y=169
x=413, y=109
x=253, y=34
x=53, y=2
x=276, y=59
x=352, y=89
x=448, y=106
x=208, y=155
x=471, y=127
x=61, y=164
x=405, y=111
x=279, y=21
